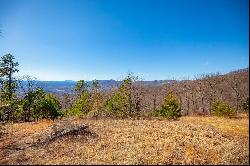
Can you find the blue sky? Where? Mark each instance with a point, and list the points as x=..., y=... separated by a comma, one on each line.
x=105, y=39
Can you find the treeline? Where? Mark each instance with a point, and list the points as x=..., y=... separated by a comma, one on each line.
x=220, y=95
x=197, y=96
x=123, y=101
x=32, y=104
x=212, y=94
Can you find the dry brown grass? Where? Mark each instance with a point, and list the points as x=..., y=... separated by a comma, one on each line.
x=191, y=140
x=236, y=127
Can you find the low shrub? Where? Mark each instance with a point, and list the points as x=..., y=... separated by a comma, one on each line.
x=81, y=106
x=169, y=109
x=222, y=109
x=246, y=105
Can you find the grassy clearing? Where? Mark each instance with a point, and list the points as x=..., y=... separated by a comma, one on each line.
x=235, y=127
x=190, y=140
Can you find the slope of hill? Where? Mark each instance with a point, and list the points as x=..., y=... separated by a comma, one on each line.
x=67, y=86
x=195, y=96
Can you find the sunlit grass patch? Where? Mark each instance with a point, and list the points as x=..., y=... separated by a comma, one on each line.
x=236, y=126
x=190, y=140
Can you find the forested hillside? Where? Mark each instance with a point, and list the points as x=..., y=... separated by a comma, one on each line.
x=26, y=100
x=196, y=96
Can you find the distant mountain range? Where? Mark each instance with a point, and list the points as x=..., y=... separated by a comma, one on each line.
x=67, y=86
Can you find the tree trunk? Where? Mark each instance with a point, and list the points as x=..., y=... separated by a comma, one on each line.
x=202, y=104
x=237, y=102
x=154, y=102
x=180, y=102
x=193, y=103
x=29, y=114
x=187, y=104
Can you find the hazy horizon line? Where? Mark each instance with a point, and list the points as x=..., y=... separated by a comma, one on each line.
x=171, y=78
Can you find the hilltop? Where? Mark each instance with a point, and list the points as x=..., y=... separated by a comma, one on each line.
x=190, y=140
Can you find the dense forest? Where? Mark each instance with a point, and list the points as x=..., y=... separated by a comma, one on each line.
x=207, y=94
